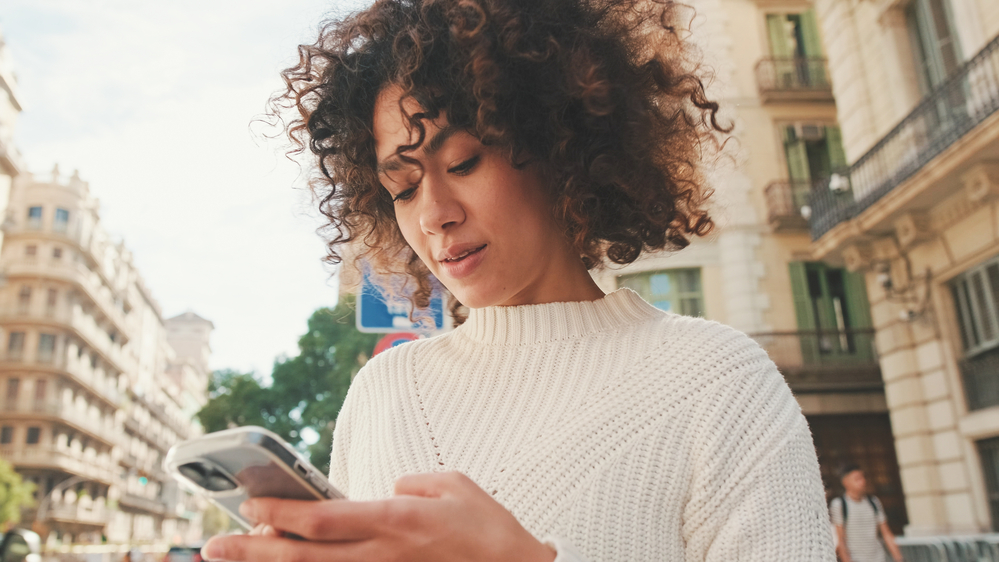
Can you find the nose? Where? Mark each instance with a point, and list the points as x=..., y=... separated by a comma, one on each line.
x=439, y=209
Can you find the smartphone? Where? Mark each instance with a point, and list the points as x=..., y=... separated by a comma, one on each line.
x=231, y=466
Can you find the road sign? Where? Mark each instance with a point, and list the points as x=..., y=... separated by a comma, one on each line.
x=382, y=311
x=393, y=340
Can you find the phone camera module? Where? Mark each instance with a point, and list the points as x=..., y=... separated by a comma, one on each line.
x=207, y=477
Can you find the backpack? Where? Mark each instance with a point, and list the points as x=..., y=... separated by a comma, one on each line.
x=870, y=499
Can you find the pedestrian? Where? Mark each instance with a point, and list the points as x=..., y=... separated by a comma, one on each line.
x=858, y=518
x=505, y=148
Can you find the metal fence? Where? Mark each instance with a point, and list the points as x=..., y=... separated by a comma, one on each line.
x=944, y=116
x=824, y=359
x=974, y=548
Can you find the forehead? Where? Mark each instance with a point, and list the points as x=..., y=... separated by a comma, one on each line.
x=390, y=127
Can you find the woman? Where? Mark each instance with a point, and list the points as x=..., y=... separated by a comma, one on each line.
x=506, y=147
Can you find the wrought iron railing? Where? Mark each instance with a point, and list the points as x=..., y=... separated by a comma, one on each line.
x=778, y=74
x=948, y=113
x=824, y=359
x=787, y=202
x=981, y=379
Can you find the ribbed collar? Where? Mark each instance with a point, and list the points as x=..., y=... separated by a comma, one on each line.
x=536, y=323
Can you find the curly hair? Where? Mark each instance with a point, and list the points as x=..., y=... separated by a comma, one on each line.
x=601, y=94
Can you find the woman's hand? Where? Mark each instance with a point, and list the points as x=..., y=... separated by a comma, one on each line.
x=438, y=517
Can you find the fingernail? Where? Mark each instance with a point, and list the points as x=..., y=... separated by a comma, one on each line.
x=246, y=509
x=211, y=551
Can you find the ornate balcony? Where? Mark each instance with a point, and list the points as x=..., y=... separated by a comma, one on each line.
x=824, y=361
x=787, y=204
x=59, y=458
x=102, y=430
x=141, y=503
x=793, y=79
x=960, y=108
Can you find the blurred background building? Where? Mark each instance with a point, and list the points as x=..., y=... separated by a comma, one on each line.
x=96, y=384
x=916, y=213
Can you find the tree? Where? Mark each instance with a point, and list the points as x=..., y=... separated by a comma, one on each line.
x=306, y=391
x=15, y=494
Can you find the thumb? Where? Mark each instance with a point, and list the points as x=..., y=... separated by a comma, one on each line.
x=431, y=485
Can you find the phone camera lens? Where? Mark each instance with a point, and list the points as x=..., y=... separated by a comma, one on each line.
x=207, y=477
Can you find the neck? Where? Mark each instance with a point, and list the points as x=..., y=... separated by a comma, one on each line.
x=855, y=495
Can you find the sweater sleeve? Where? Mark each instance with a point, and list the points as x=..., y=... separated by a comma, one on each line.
x=755, y=492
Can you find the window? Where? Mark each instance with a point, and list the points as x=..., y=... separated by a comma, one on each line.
x=31, y=250
x=41, y=386
x=13, y=386
x=976, y=296
x=6, y=435
x=813, y=152
x=46, y=348
x=57, y=253
x=61, y=220
x=15, y=345
x=34, y=435
x=988, y=450
x=674, y=290
x=832, y=311
x=796, y=50
x=934, y=43
x=34, y=217
x=24, y=299
x=50, y=301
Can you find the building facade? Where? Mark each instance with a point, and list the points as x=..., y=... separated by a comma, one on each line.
x=756, y=272
x=11, y=163
x=916, y=213
x=93, y=391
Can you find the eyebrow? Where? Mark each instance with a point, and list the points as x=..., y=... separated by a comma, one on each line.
x=393, y=164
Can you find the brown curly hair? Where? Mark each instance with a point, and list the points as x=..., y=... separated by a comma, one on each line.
x=601, y=94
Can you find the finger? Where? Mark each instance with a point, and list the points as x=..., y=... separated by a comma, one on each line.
x=327, y=520
x=247, y=548
x=432, y=485
x=265, y=531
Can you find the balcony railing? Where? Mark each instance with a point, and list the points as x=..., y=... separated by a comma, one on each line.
x=63, y=458
x=981, y=379
x=947, y=114
x=798, y=78
x=786, y=200
x=141, y=503
x=824, y=360
x=102, y=429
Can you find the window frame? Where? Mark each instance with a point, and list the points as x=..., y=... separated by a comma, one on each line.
x=969, y=321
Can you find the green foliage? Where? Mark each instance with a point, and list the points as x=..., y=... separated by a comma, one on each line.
x=306, y=391
x=15, y=493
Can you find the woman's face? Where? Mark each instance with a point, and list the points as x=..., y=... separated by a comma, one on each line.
x=483, y=228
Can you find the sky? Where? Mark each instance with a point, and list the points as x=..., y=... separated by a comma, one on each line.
x=152, y=102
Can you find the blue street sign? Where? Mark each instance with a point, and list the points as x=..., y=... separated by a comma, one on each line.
x=380, y=311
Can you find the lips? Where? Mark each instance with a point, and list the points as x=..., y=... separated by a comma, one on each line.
x=464, y=254
x=461, y=260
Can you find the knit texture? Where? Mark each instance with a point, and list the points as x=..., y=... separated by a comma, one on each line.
x=613, y=430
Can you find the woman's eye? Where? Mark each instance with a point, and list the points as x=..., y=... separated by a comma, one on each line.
x=404, y=195
x=465, y=167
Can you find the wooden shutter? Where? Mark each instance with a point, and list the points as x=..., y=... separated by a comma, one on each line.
x=797, y=160
x=837, y=156
x=810, y=35
x=803, y=312
x=777, y=30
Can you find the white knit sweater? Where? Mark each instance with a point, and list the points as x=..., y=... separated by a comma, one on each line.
x=610, y=429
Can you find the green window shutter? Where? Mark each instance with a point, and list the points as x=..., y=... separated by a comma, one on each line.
x=857, y=305
x=802, y=301
x=810, y=35
x=797, y=161
x=837, y=156
x=777, y=30
x=803, y=312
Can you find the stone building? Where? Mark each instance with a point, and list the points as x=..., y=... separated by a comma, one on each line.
x=93, y=391
x=916, y=213
x=11, y=163
x=756, y=272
